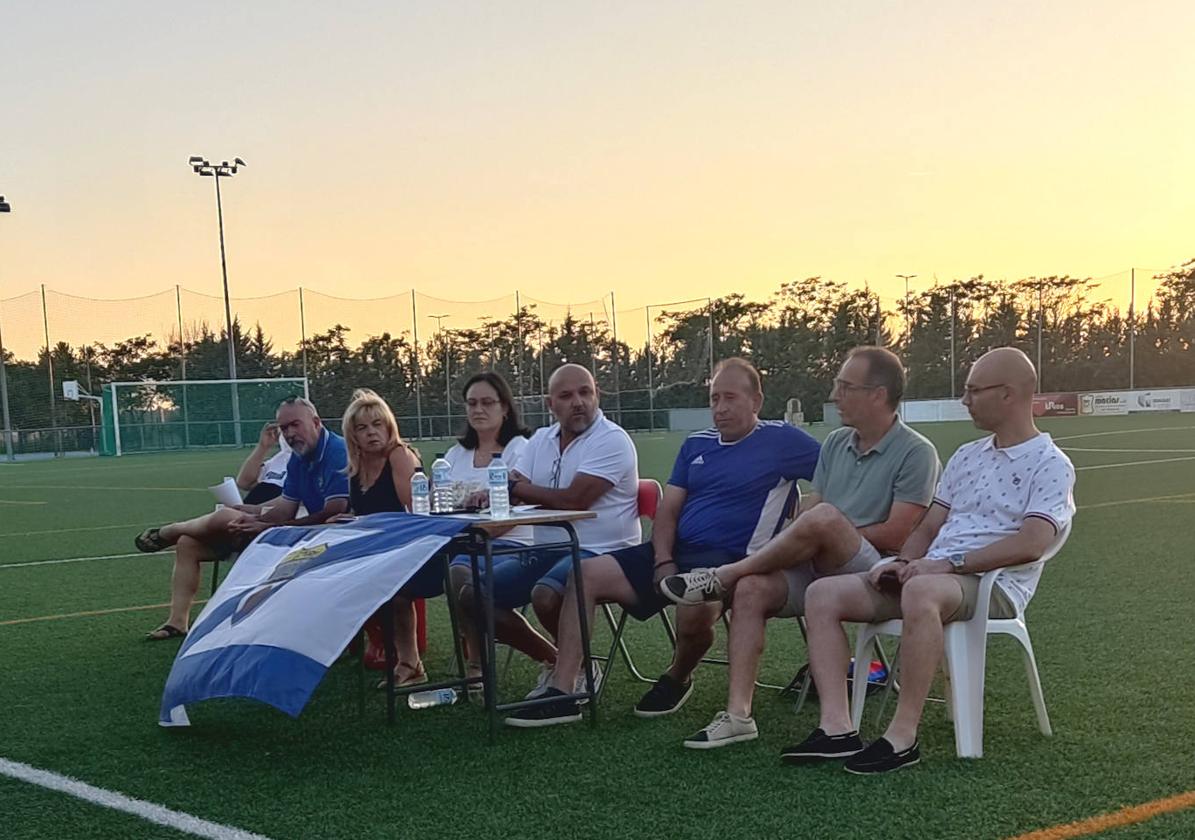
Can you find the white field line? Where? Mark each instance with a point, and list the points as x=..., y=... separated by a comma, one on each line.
x=1133, y=451
x=13, y=487
x=4, y=536
x=15, y=502
x=1178, y=497
x=1127, y=432
x=1134, y=463
x=112, y=800
x=79, y=559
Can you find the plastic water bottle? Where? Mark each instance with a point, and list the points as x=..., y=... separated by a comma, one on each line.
x=441, y=485
x=436, y=697
x=420, y=493
x=499, y=488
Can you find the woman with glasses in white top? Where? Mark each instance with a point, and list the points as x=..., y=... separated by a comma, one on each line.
x=493, y=428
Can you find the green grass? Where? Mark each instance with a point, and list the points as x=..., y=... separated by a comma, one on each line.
x=79, y=695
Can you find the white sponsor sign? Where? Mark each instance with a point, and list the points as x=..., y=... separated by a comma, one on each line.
x=1105, y=403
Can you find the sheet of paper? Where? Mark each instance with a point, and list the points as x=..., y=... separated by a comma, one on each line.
x=226, y=492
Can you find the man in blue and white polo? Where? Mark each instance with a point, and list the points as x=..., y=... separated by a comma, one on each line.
x=731, y=490
x=315, y=478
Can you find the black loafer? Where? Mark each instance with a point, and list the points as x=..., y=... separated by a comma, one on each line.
x=822, y=747
x=881, y=757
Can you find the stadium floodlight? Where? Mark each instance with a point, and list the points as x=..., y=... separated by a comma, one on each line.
x=5, y=207
x=203, y=167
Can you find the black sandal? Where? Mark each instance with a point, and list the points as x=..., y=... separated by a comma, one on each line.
x=166, y=631
x=150, y=540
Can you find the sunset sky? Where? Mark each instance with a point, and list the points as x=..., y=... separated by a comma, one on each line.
x=662, y=150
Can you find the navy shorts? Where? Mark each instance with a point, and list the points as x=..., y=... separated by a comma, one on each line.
x=515, y=575
x=638, y=567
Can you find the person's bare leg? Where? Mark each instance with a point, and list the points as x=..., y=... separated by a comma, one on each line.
x=406, y=642
x=925, y=602
x=694, y=638
x=510, y=628
x=206, y=528
x=756, y=598
x=829, y=602
x=546, y=602
x=184, y=582
x=603, y=581
x=822, y=532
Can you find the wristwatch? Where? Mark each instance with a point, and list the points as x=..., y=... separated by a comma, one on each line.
x=957, y=561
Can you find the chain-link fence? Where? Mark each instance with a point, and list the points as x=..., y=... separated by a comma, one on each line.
x=418, y=350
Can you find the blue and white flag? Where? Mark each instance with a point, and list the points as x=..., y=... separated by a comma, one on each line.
x=290, y=605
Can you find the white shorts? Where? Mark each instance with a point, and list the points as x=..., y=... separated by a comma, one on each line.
x=799, y=578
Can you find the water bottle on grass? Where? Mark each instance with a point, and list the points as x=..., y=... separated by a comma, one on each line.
x=435, y=697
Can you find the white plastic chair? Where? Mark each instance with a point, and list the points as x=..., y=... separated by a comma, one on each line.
x=966, y=658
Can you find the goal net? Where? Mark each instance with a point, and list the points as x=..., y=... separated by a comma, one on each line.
x=159, y=416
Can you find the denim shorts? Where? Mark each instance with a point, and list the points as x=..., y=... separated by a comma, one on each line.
x=515, y=575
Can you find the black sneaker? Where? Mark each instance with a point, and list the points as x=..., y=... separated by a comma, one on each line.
x=880, y=757
x=663, y=698
x=819, y=746
x=547, y=714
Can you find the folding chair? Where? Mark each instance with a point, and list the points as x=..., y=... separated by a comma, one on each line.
x=965, y=661
x=650, y=495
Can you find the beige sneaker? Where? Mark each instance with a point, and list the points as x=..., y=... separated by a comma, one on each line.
x=723, y=730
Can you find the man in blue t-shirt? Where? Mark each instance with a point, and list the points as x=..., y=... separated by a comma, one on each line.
x=315, y=477
x=730, y=492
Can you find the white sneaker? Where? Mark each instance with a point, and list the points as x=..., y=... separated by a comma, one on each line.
x=724, y=729
x=543, y=682
x=579, y=684
x=700, y=586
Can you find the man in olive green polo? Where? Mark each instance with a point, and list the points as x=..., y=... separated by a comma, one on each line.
x=874, y=480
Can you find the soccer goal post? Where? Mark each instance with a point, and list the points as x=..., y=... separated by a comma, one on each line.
x=190, y=414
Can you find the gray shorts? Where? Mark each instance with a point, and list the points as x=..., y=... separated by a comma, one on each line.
x=887, y=606
x=799, y=578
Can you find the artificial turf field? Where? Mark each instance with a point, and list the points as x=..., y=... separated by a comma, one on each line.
x=79, y=691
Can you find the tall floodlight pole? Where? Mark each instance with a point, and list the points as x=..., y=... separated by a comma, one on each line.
x=439, y=319
x=5, y=207
x=908, y=328
x=1132, y=323
x=224, y=169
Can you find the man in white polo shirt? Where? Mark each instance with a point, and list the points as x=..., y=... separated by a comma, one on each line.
x=1002, y=501
x=581, y=462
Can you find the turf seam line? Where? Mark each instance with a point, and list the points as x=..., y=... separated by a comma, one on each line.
x=4, y=536
x=1134, y=463
x=1104, y=822
x=55, y=562
x=148, y=811
x=86, y=613
x=1124, y=432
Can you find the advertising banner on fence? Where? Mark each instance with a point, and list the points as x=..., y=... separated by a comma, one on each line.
x=1056, y=405
x=1100, y=404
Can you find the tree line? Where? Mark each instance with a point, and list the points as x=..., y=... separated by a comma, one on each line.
x=797, y=338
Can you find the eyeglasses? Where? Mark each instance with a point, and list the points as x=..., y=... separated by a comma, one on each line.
x=485, y=402
x=556, y=473
x=843, y=385
x=972, y=390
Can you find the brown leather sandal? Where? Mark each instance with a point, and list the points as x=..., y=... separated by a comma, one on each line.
x=406, y=674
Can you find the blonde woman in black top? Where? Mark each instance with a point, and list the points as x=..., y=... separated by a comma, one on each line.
x=380, y=466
